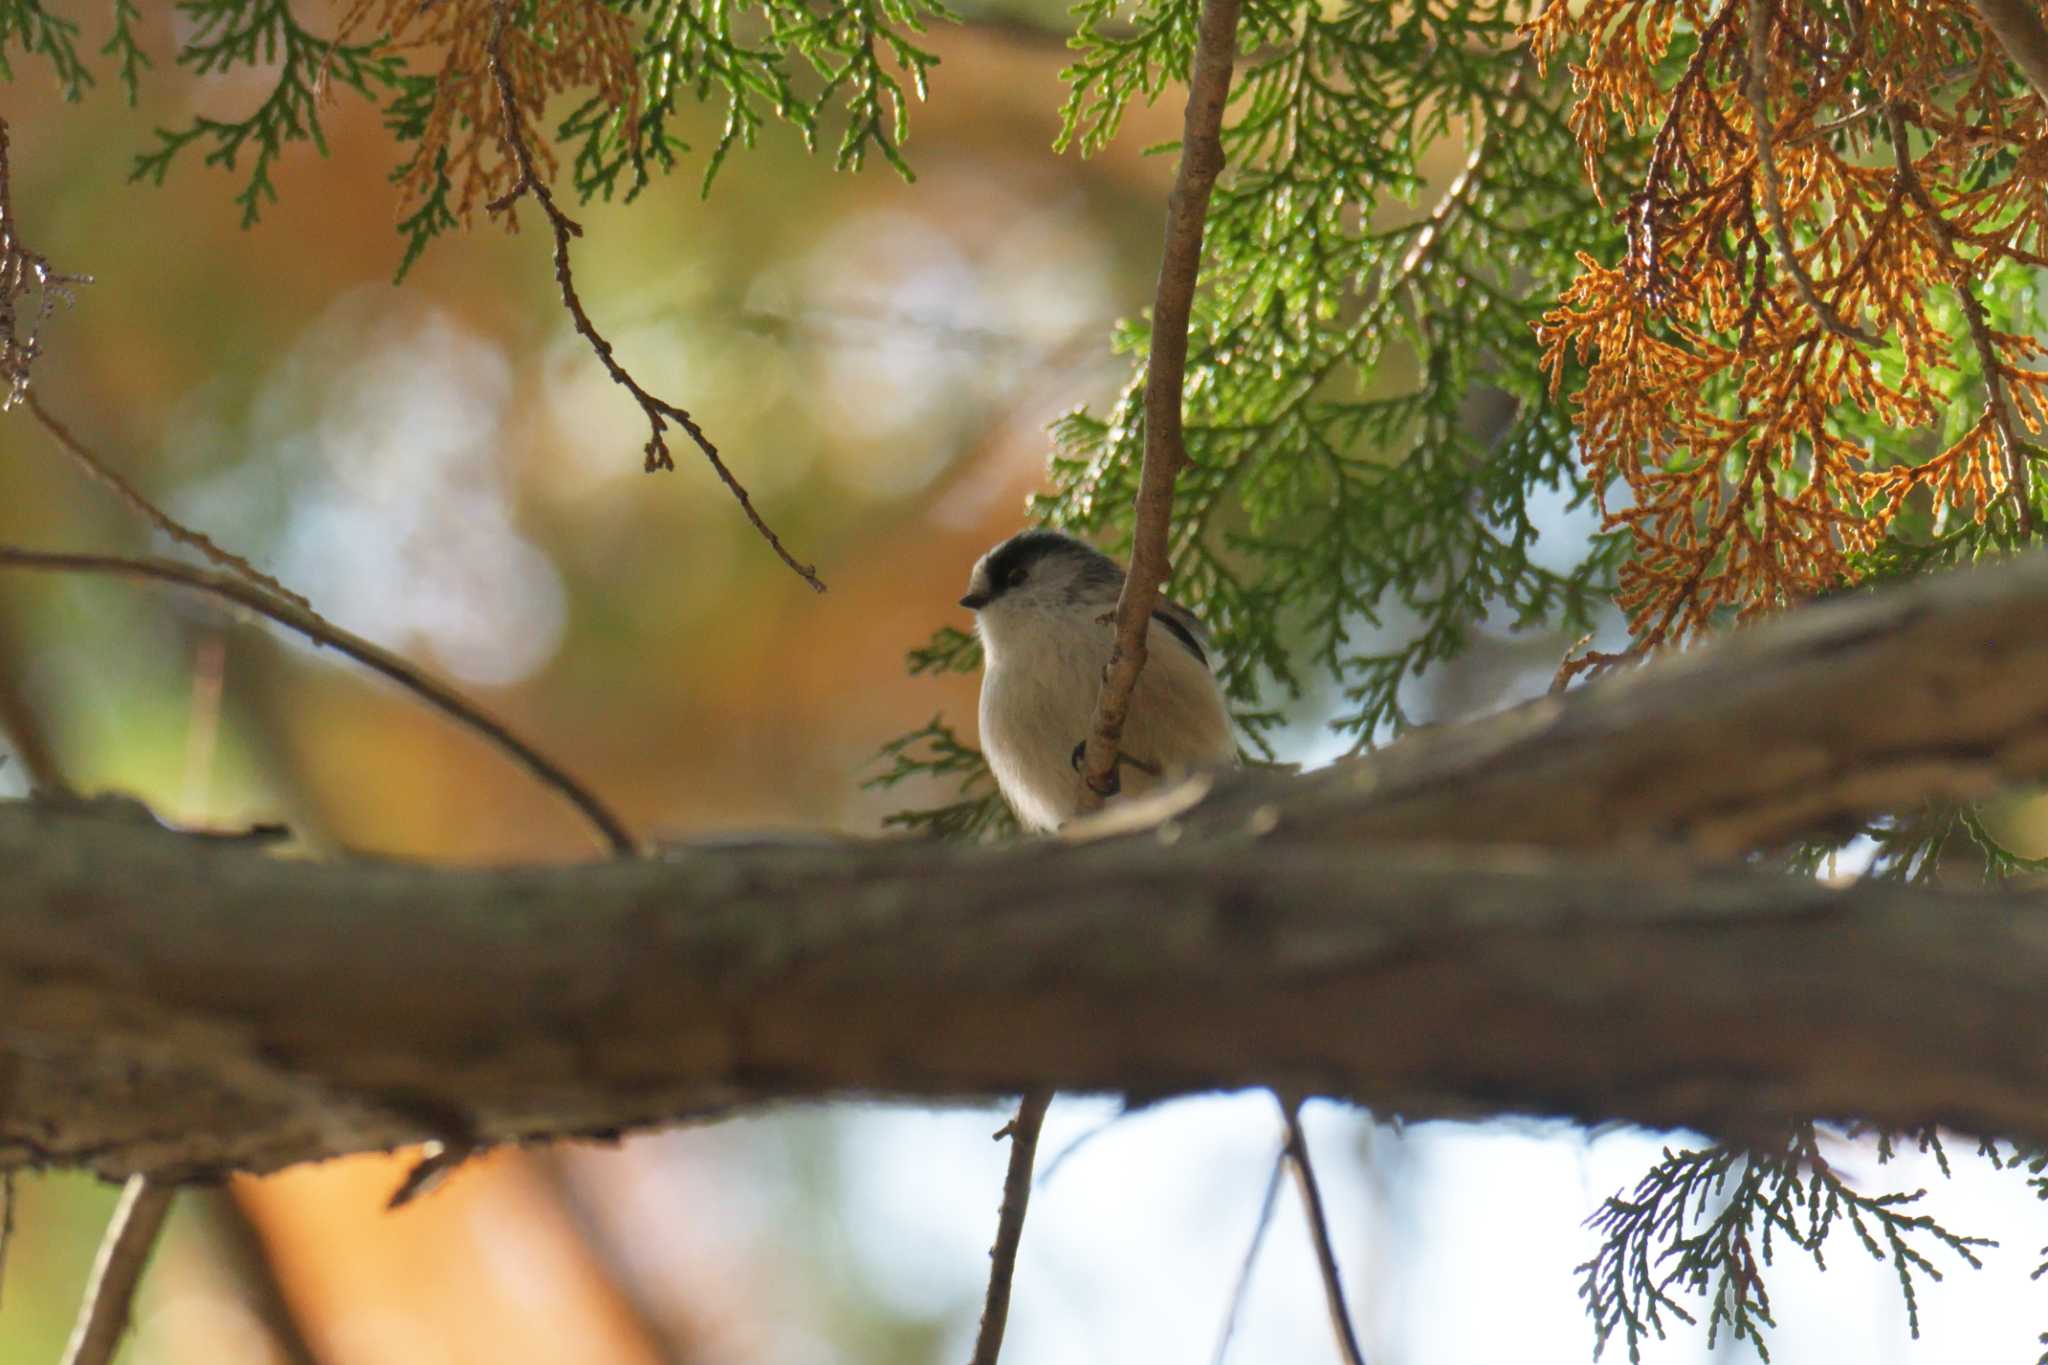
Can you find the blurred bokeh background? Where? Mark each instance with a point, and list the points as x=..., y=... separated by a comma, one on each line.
x=444, y=468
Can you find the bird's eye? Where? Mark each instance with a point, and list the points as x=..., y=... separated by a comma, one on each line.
x=1015, y=578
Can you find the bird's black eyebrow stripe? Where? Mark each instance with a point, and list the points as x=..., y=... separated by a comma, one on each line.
x=1184, y=635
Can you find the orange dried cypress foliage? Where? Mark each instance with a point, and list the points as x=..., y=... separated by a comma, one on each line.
x=1825, y=178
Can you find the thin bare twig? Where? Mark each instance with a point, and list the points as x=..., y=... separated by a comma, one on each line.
x=2017, y=26
x=435, y=694
x=154, y=515
x=659, y=411
x=1187, y=207
x=1757, y=88
x=1023, y=1133
x=1251, y=1255
x=110, y=1292
x=1319, y=1231
x=1998, y=403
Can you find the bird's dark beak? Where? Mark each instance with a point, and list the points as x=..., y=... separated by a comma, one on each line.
x=975, y=601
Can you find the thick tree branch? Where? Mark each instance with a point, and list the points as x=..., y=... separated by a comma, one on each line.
x=178, y=1005
x=1187, y=208
x=1865, y=703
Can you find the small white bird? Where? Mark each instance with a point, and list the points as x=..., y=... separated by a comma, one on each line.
x=1044, y=604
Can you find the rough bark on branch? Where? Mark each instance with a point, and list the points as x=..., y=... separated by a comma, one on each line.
x=183, y=1005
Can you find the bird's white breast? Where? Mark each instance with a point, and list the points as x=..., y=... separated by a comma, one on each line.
x=1038, y=692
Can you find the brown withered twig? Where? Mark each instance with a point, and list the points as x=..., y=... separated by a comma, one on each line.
x=1187, y=207
x=659, y=411
x=438, y=695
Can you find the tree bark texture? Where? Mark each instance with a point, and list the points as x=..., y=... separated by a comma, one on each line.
x=1519, y=915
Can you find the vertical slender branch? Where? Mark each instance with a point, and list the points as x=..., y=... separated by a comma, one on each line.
x=1023, y=1133
x=124, y=1251
x=1319, y=1232
x=1187, y=207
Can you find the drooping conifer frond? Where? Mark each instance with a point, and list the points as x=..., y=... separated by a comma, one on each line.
x=1815, y=326
x=842, y=75
x=1706, y=1224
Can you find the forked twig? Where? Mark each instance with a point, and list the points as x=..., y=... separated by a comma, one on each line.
x=1023, y=1133
x=1319, y=1231
x=438, y=695
x=1251, y=1255
x=659, y=412
x=110, y=1292
x=1187, y=207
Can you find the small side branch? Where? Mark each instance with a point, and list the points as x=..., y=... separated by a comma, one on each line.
x=1187, y=208
x=110, y=1292
x=378, y=660
x=1023, y=1133
x=1319, y=1232
x=659, y=411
